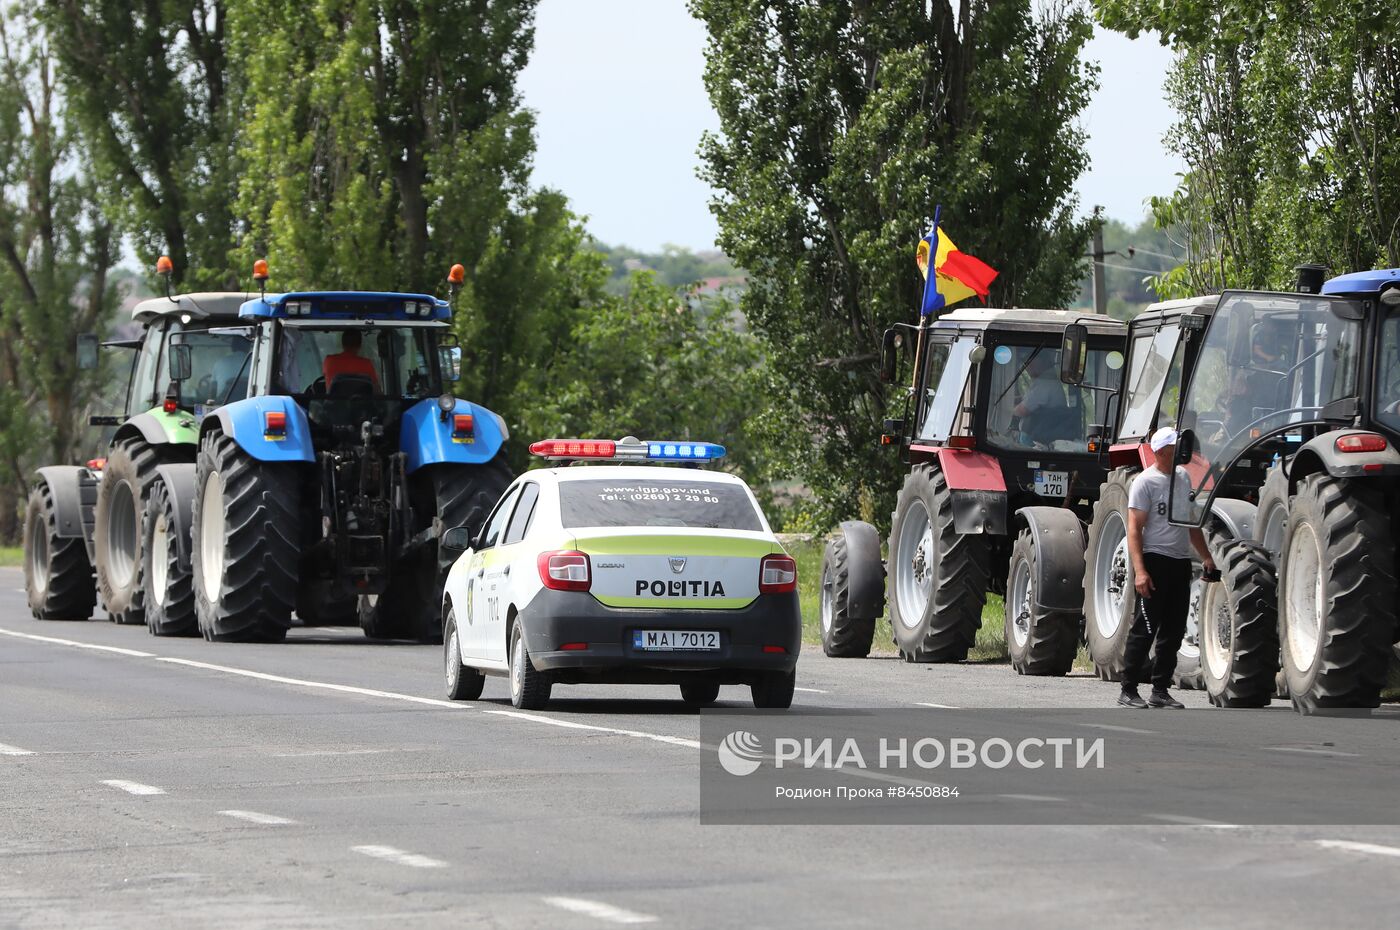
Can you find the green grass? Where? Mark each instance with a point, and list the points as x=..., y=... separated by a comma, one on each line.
x=11, y=556
x=991, y=638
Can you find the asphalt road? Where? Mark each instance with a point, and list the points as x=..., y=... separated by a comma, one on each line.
x=324, y=782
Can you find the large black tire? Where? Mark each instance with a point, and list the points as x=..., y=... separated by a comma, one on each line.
x=529, y=687
x=1337, y=595
x=462, y=682
x=58, y=578
x=773, y=690
x=249, y=510
x=453, y=495
x=1039, y=640
x=1109, y=596
x=1239, y=628
x=117, y=538
x=169, y=595
x=938, y=577
x=843, y=635
x=1187, y=675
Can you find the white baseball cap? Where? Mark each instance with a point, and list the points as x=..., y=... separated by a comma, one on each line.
x=1165, y=436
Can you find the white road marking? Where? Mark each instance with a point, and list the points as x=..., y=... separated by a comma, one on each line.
x=569, y=724
x=6, y=750
x=339, y=752
x=1353, y=846
x=812, y=690
x=73, y=642
x=133, y=787
x=1188, y=821
x=930, y=704
x=399, y=857
x=600, y=910
x=323, y=685
x=270, y=820
x=1109, y=726
x=1314, y=752
x=1029, y=797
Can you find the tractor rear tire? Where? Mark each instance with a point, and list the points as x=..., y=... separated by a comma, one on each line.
x=1337, y=595
x=1272, y=521
x=1109, y=595
x=843, y=635
x=58, y=578
x=246, y=543
x=456, y=495
x=117, y=529
x=169, y=595
x=1239, y=628
x=1040, y=641
x=938, y=577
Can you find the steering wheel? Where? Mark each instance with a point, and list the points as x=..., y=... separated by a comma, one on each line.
x=317, y=387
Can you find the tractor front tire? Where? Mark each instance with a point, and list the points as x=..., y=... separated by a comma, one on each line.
x=1239, y=628
x=169, y=593
x=844, y=636
x=58, y=579
x=1109, y=596
x=938, y=577
x=117, y=529
x=246, y=543
x=1337, y=595
x=1040, y=641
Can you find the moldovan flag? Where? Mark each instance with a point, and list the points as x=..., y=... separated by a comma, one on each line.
x=957, y=275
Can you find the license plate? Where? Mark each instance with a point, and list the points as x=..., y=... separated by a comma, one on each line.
x=1052, y=483
x=676, y=640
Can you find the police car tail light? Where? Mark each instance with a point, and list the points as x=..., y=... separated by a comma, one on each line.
x=565, y=570
x=777, y=574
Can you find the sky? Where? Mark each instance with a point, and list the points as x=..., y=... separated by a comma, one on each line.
x=616, y=86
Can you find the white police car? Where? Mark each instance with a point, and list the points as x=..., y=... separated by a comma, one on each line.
x=623, y=573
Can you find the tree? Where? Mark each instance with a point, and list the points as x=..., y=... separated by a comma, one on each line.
x=56, y=249
x=1287, y=116
x=152, y=89
x=842, y=125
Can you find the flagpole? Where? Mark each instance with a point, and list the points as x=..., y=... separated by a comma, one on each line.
x=929, y=281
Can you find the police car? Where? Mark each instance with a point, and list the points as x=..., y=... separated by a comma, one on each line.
x=622, y=572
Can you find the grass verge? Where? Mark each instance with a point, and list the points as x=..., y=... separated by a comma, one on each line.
x=11, y=556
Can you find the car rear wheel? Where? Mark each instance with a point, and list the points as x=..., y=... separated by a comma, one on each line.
x=529, y=687
x=700, y=693
x=773, y=690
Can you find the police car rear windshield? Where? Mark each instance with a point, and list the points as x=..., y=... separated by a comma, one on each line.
x=700, y=505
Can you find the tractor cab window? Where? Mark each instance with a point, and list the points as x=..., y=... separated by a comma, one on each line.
x=945, y=383
x=372, y=361
x=219, y=360
x=1154, y=381
x=1030, y=408
x=1387, y=407
x=145, y=379
x=1269, y=363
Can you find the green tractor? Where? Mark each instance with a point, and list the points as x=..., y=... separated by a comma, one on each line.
x=85, y=525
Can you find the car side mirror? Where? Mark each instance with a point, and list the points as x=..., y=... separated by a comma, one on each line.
x=181, y=362
x=450, y=361
x=1074, y=353
x=889, y=356
x=87, y=351
x=458, y=539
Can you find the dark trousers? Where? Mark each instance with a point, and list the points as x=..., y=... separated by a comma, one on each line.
x=1160, y=618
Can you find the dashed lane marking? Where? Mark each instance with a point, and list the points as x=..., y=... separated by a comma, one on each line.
x=812, y=690
x=1029, y=797
x=1315, y=752
x=931, y=704
x=7, y=750
x=399, y=857
x=1117, y=729
x=133, y=787
x=1188, y=821
x=136, y=653
x=1372, y=849
x=270, y=820
x=618, y=731
x=600, y=910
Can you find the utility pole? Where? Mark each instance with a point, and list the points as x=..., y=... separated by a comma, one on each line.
x=1100, y=290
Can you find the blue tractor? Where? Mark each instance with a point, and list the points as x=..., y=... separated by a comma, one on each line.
x=325, y=490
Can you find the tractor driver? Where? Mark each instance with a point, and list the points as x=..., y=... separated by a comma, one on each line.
x=1043, y=410
x=349, y=361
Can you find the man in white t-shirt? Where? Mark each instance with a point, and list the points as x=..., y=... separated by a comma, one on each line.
x=1161, y=556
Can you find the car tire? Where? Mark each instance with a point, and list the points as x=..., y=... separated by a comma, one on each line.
x=463, y=683
x=529, y=687
x=773, y=690
x=700, y=693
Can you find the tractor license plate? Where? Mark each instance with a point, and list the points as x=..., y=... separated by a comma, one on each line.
x=1052, y=483
x=676, y=640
